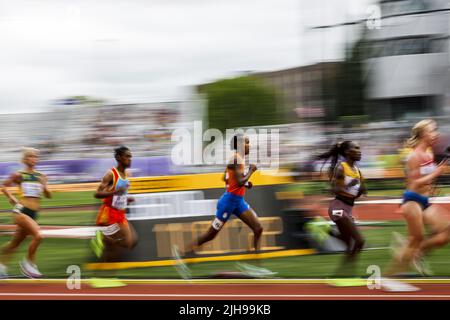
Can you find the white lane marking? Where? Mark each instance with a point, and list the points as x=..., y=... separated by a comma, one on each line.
x=149, y=295
x=287, y=281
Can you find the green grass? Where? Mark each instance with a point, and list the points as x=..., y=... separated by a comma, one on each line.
x=60, y=199
x=55, y=255
x=58, y=218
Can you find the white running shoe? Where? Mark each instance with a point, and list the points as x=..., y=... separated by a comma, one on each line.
x=397, y=245
x=180, y=266
x=29, y=269
x=254, y=271
x=397, y=286
x=422, y=266
x=3, y=271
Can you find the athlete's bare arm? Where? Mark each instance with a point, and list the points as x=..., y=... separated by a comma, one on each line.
x=337, y=181
x=129, y=198
x=107, y=180
x=43, y=179
x=363, y=188
x=13, y=179
x=239, y=173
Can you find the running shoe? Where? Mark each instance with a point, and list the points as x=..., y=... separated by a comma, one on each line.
x=350, y=282
x=29, y=269
x=419, y=263
x=3, y=271
x=253, y=271
x=319, y=229
x=97, y=245
x=397, y=245
x=397, y=286
x=180, y=266
x=106, y=283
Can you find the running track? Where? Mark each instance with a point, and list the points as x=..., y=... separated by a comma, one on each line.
x=181, y=290
x=233, y=289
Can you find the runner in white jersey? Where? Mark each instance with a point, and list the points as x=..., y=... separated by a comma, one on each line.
x=32, y=184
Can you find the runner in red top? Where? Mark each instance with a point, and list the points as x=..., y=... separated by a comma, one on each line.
x=232, y=202
x=112, y=214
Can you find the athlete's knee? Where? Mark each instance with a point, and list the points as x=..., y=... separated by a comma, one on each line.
x=37, y=237
x=359, y=244
x=415, y=240
x=134, y=241
x=258, y=229
x=442, y=238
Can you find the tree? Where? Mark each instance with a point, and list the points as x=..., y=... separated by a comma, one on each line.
x=346, y=89
x=241, y=102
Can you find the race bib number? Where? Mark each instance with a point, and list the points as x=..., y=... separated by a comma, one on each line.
x=354, y=190
x=337, y=213
x=31, y=189
x=427, y=169
x=350, y=188
x=217, y=224
x=18, y=208
x=119, y=202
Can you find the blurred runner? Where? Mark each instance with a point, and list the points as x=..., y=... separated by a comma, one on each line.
x=232, y=202
x=347, y=184
x=25, y=212
x=421, y=172
x=118, y=233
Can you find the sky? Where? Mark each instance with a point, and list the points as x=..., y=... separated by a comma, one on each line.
x=155, y=50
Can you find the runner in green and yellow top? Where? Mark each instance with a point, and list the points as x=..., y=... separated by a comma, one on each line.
x=32, y=185
x=347, y=184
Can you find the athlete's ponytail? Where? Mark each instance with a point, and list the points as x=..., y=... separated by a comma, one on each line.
x=417, y=132
x=336, y=150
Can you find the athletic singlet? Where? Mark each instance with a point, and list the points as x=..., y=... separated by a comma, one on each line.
x=350, y=175
x=232, y=185
x=425, y=167
x=30, y=185
x=118, y=201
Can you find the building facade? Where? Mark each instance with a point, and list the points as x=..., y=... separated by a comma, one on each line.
x=408, y=62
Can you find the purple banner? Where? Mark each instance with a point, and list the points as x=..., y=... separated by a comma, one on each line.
x=92, y=170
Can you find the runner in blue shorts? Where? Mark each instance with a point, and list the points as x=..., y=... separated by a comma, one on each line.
x=232, y=203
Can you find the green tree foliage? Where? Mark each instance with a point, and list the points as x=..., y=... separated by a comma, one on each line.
x=241, y=102
x=345, y=91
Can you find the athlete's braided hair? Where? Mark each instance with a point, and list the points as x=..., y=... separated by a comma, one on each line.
x=120, y=151
x=338, y=149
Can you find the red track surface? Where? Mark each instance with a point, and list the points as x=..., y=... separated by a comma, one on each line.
x=378, y=212
x=217, y=292
x=274, y=291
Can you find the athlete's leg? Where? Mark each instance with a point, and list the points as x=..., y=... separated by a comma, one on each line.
x=224, y=209
x=112, y=238
x=354, y=241
x=350, y=234
x=30, y=227
x=127, y=237
x=250, y=218
x=19, y=235
x=434, y=217
x=209, y=235
x=412, y=212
